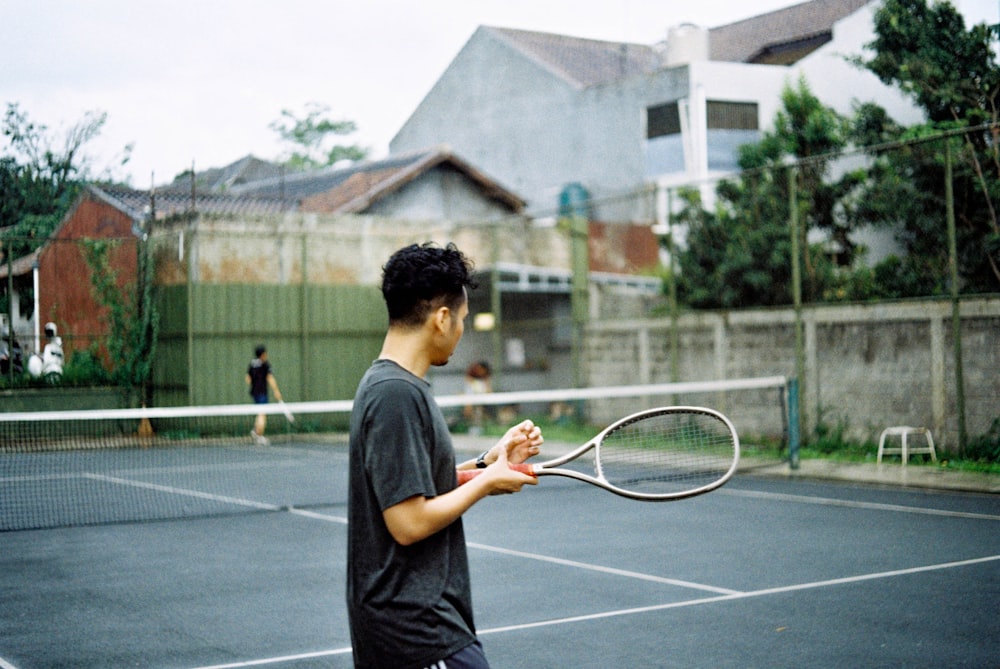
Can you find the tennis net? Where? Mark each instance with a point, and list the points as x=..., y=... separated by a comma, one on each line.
x=88, y=467
x=67, y=468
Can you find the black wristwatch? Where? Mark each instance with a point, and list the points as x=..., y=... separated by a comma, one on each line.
x=481, y=460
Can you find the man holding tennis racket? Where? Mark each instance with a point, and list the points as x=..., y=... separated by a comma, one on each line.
x=408, y=591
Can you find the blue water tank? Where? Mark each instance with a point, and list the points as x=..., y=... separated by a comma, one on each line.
x=574, y=200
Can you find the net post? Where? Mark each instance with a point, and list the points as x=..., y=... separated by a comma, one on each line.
x=793, y=423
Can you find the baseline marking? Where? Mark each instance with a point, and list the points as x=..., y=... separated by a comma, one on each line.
x=4, y=664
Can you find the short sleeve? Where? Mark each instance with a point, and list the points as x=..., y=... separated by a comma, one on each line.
x=397, y=458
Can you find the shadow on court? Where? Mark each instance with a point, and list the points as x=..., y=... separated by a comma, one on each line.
x=762, y=573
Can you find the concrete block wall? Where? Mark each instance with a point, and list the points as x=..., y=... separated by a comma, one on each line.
x=867, y=367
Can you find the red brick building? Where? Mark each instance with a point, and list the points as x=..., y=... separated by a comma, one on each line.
x=66, y=287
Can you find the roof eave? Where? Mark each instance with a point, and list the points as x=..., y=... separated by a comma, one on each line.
x=413, y=171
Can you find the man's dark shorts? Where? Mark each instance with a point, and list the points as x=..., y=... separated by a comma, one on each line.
x=470, y=657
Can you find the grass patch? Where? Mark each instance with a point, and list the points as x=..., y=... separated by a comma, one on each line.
x=982, y=454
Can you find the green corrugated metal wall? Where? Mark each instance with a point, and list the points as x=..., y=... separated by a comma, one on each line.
x=320, y=340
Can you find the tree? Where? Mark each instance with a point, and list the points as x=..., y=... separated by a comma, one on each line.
x=311, y=138
x=903, y=192
x=40, y=176
x=132, y=318
x=739, y=255
x=952, y=73
x=729, y=261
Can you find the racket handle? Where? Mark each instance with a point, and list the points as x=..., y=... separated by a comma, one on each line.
x=466, y=475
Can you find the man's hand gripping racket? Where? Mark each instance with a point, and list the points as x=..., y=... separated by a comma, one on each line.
x=660, y=454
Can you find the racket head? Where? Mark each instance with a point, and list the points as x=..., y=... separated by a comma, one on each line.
x=667, y=453
x=288, y=414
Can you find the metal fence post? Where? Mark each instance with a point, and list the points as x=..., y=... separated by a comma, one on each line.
x=794, y=440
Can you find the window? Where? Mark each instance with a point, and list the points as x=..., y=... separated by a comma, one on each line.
x=731, y=115
x=663, y=120
x=728, y=126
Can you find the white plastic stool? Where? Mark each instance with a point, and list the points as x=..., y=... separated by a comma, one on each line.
x=904, y=450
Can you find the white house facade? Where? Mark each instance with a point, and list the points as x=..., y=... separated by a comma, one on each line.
x=541, y=111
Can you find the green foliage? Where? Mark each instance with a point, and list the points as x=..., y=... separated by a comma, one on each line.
x=740, y=254
x=84, y=368
x=38, y=183
x=904, y=192
x=311, y=136
x=985, y=448
x=730, y=261
x=926, y=51
x=950, y=72
x=830, y=440
x=132, y=317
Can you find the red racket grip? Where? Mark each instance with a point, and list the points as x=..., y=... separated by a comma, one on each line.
x=466, y=475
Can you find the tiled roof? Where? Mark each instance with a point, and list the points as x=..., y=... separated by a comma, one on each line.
x=353, y=189
x=220, y=179
x=746, y=40
x=137, y=203
x=584, y=62
x=782, y=36
x=300, y=185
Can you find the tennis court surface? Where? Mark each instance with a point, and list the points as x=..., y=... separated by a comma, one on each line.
x=765, y=572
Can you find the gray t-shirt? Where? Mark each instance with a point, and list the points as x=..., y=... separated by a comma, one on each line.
x=409, y=606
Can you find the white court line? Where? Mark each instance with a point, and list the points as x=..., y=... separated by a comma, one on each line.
x=724, y=594
x=830, y=501
x=215, y=498
x=646, y=609
x=4, y=664
x=602, y=569
x=184, y=491
x=742, y=595
x=275, y=660
x=317, y=516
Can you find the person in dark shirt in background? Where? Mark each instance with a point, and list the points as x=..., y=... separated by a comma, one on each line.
x=260, y=378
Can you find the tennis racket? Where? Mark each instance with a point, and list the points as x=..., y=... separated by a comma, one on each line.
x=660, y=454
x=288, y=414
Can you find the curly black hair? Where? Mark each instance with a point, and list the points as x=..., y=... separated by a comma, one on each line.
x=421, y=277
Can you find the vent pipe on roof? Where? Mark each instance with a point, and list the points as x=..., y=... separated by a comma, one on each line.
x=686, y=43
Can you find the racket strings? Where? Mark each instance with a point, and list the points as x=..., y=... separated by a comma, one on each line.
x=660, y=453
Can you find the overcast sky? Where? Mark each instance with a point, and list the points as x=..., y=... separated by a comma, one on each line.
x=200, y=80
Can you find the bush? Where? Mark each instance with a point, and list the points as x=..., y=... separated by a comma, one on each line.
x=830, y=440
x=985, y=448
x=85, y=368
